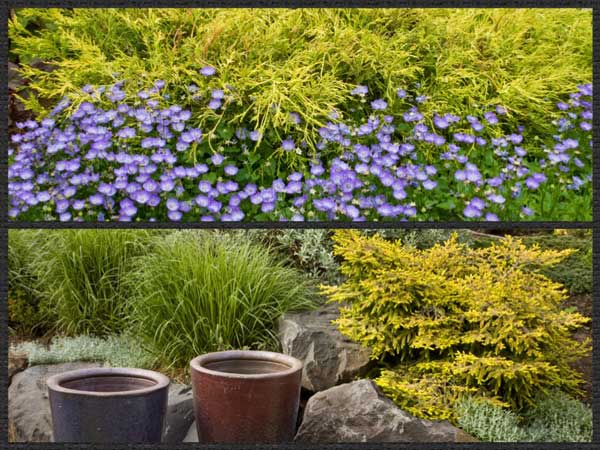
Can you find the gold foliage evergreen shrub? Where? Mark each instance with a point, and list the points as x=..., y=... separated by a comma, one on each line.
x=453, y=320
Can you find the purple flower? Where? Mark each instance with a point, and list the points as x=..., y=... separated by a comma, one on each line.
x=295, y=176
x=218, y=94
x=208, y=71
x=496, y=198
x=288, y=145
x=429, y=184
x=174, y=215
x=413, y=115
x=295, y=118
x=570, y=143
x=515, y=138
x=491, y=118
x=386, y=210
x=472, y=173
x=360, y=90
x=126, y=132
x=167, y=185
x=230, y=170
x=43, y=196
x=256, y=198
x=172, y=204
x=197, y=170
x=534, y=181
x=527, y=211
x=477, y=203
x=379, y=104
x=267, y=207
x=217, y=159
x=325, y=204
x=202, y=201
x=97, y=199
x=471, y=211
x=214, y=104
x=351, y=211
x=440, y=122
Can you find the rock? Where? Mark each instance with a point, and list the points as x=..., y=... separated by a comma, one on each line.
x=17, y=362
x=329, y=357
x=359, y=412
x=180, y=413
x=28, y=406
x=192, y=434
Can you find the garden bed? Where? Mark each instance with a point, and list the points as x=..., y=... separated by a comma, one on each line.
x=330, y=344
x=431, y=122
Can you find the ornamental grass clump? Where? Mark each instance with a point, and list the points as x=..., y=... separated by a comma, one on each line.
x=452, y=320
x=25, y=310
x=199, y=292
x=84, y=278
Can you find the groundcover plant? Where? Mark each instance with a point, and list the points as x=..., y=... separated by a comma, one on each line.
x=110, y=159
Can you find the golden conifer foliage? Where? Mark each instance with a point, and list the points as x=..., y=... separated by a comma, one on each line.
x=457, y=320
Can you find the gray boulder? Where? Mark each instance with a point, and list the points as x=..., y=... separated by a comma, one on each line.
x=192, y=434
x=180, y=413
x=28, y=406
x=359, y=412
x=329, y=357
x=17, y=362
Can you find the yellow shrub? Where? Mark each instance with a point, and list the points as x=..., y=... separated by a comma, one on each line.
x=457, y=320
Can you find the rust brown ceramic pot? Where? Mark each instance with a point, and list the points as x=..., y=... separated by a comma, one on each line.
x=108, y=405
x=246, y=396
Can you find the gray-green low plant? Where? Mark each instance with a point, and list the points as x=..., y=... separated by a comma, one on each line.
x=559, y=418
x=201, y=291
x=114, y=350
x=556, y=417
x=312, y=251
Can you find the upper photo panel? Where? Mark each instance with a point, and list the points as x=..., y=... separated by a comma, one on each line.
x=254, y=115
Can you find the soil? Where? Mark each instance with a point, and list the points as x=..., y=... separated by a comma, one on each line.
x=583, y=303
x=15, y=339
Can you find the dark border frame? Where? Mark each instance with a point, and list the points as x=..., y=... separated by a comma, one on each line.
x=5, y=225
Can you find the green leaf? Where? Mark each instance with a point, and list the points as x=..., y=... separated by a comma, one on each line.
x=448, y=204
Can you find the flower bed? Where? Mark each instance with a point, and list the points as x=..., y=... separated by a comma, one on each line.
x=108, y=159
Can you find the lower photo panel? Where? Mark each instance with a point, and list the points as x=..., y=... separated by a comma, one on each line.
x=309, y=336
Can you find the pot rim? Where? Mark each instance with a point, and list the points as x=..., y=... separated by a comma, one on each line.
x=161, y=381
x=294, y=364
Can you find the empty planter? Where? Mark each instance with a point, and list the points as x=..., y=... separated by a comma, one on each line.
x=246, y=396
x=108, y=405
